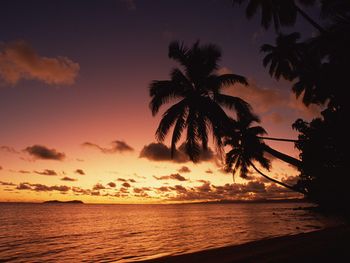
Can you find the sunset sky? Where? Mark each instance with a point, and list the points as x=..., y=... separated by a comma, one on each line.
x=74, y=114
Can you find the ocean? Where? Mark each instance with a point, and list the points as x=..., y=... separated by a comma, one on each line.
x=127, y=233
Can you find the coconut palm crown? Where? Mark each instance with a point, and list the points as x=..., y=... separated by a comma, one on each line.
x=195, y=89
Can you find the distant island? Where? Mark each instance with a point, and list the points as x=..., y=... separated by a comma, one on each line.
x=63, y=202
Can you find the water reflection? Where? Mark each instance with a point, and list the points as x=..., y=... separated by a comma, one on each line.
x=38, y=232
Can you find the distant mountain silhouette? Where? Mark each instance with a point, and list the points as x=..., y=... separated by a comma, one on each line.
x=63, y=202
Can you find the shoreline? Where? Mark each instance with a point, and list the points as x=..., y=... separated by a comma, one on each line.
x=326, y=245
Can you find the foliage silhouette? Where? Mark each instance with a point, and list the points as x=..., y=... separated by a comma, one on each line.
x=280, y=12
x=247, y=147
x=284, y=57
x=196, y=89
x=318, y=68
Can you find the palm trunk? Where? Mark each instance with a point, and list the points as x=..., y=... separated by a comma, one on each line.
x=277, y=139
x=309, y=19
x=276, y=181
x=284, y=157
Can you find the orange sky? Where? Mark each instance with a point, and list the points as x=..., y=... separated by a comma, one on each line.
x=74, y=102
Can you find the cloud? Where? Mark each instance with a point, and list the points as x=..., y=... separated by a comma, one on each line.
x=66, y=178
x=98, y=187
x=184, y=169
x=6, y=183
x=121, y=180
x=121, y=146
x=42, y=187
x=160, y=152
x=126, y=185
x=18, y=60
x=176, y=176
x=111, y=184
x=47, y=172
x=23, y=186
x=8, y=149
x=163, y=189
x=44, y=153
x=253, y=190
x=117, y=147
x=270, y=101
x=23, y=172
x=79, y=171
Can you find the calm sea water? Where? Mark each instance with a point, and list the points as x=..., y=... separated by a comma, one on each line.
x=125, y=233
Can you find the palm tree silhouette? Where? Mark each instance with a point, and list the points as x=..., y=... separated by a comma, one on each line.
x=291, y=59
x=196, y=91
x=247, y=147
x=281, y=12
x=284, y=57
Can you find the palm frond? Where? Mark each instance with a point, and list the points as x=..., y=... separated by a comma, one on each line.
x=178, y=51
x=162, y=92
x=169, y=118
x=242, y=107
x=179, y=126
x=192, y=147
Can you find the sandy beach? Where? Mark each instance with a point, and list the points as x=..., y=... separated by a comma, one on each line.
x=327, y=245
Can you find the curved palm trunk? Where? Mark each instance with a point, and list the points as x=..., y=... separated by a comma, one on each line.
x=284, y=157
x=277, y=139
x=309, y=19
x=276, y=181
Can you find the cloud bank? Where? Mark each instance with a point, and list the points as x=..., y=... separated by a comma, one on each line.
x=18, y=60
x=161, y=152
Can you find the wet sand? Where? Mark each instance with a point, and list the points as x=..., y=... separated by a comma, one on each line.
x=327, y=245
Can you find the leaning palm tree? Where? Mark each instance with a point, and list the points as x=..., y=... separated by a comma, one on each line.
x=246, y=148
x=281, y=12
x=284, y=57
x=196, y=89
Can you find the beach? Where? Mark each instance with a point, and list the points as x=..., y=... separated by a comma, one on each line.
x=326, y=245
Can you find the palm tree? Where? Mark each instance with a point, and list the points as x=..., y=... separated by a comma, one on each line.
x=284, y=57
x=196, y=90
x=303, y=61
x=281, y=12
x=247, y=148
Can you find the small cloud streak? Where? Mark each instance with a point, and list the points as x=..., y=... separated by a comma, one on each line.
x=8, y=149
x=18, y=60
x=117, y=147
x=44, y=153
x=177, y=177
x=23, y=172
x=47, y=172
x=68, y=179
x=7, y=183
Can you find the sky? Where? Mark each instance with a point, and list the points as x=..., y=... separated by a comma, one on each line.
x=74, y=102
